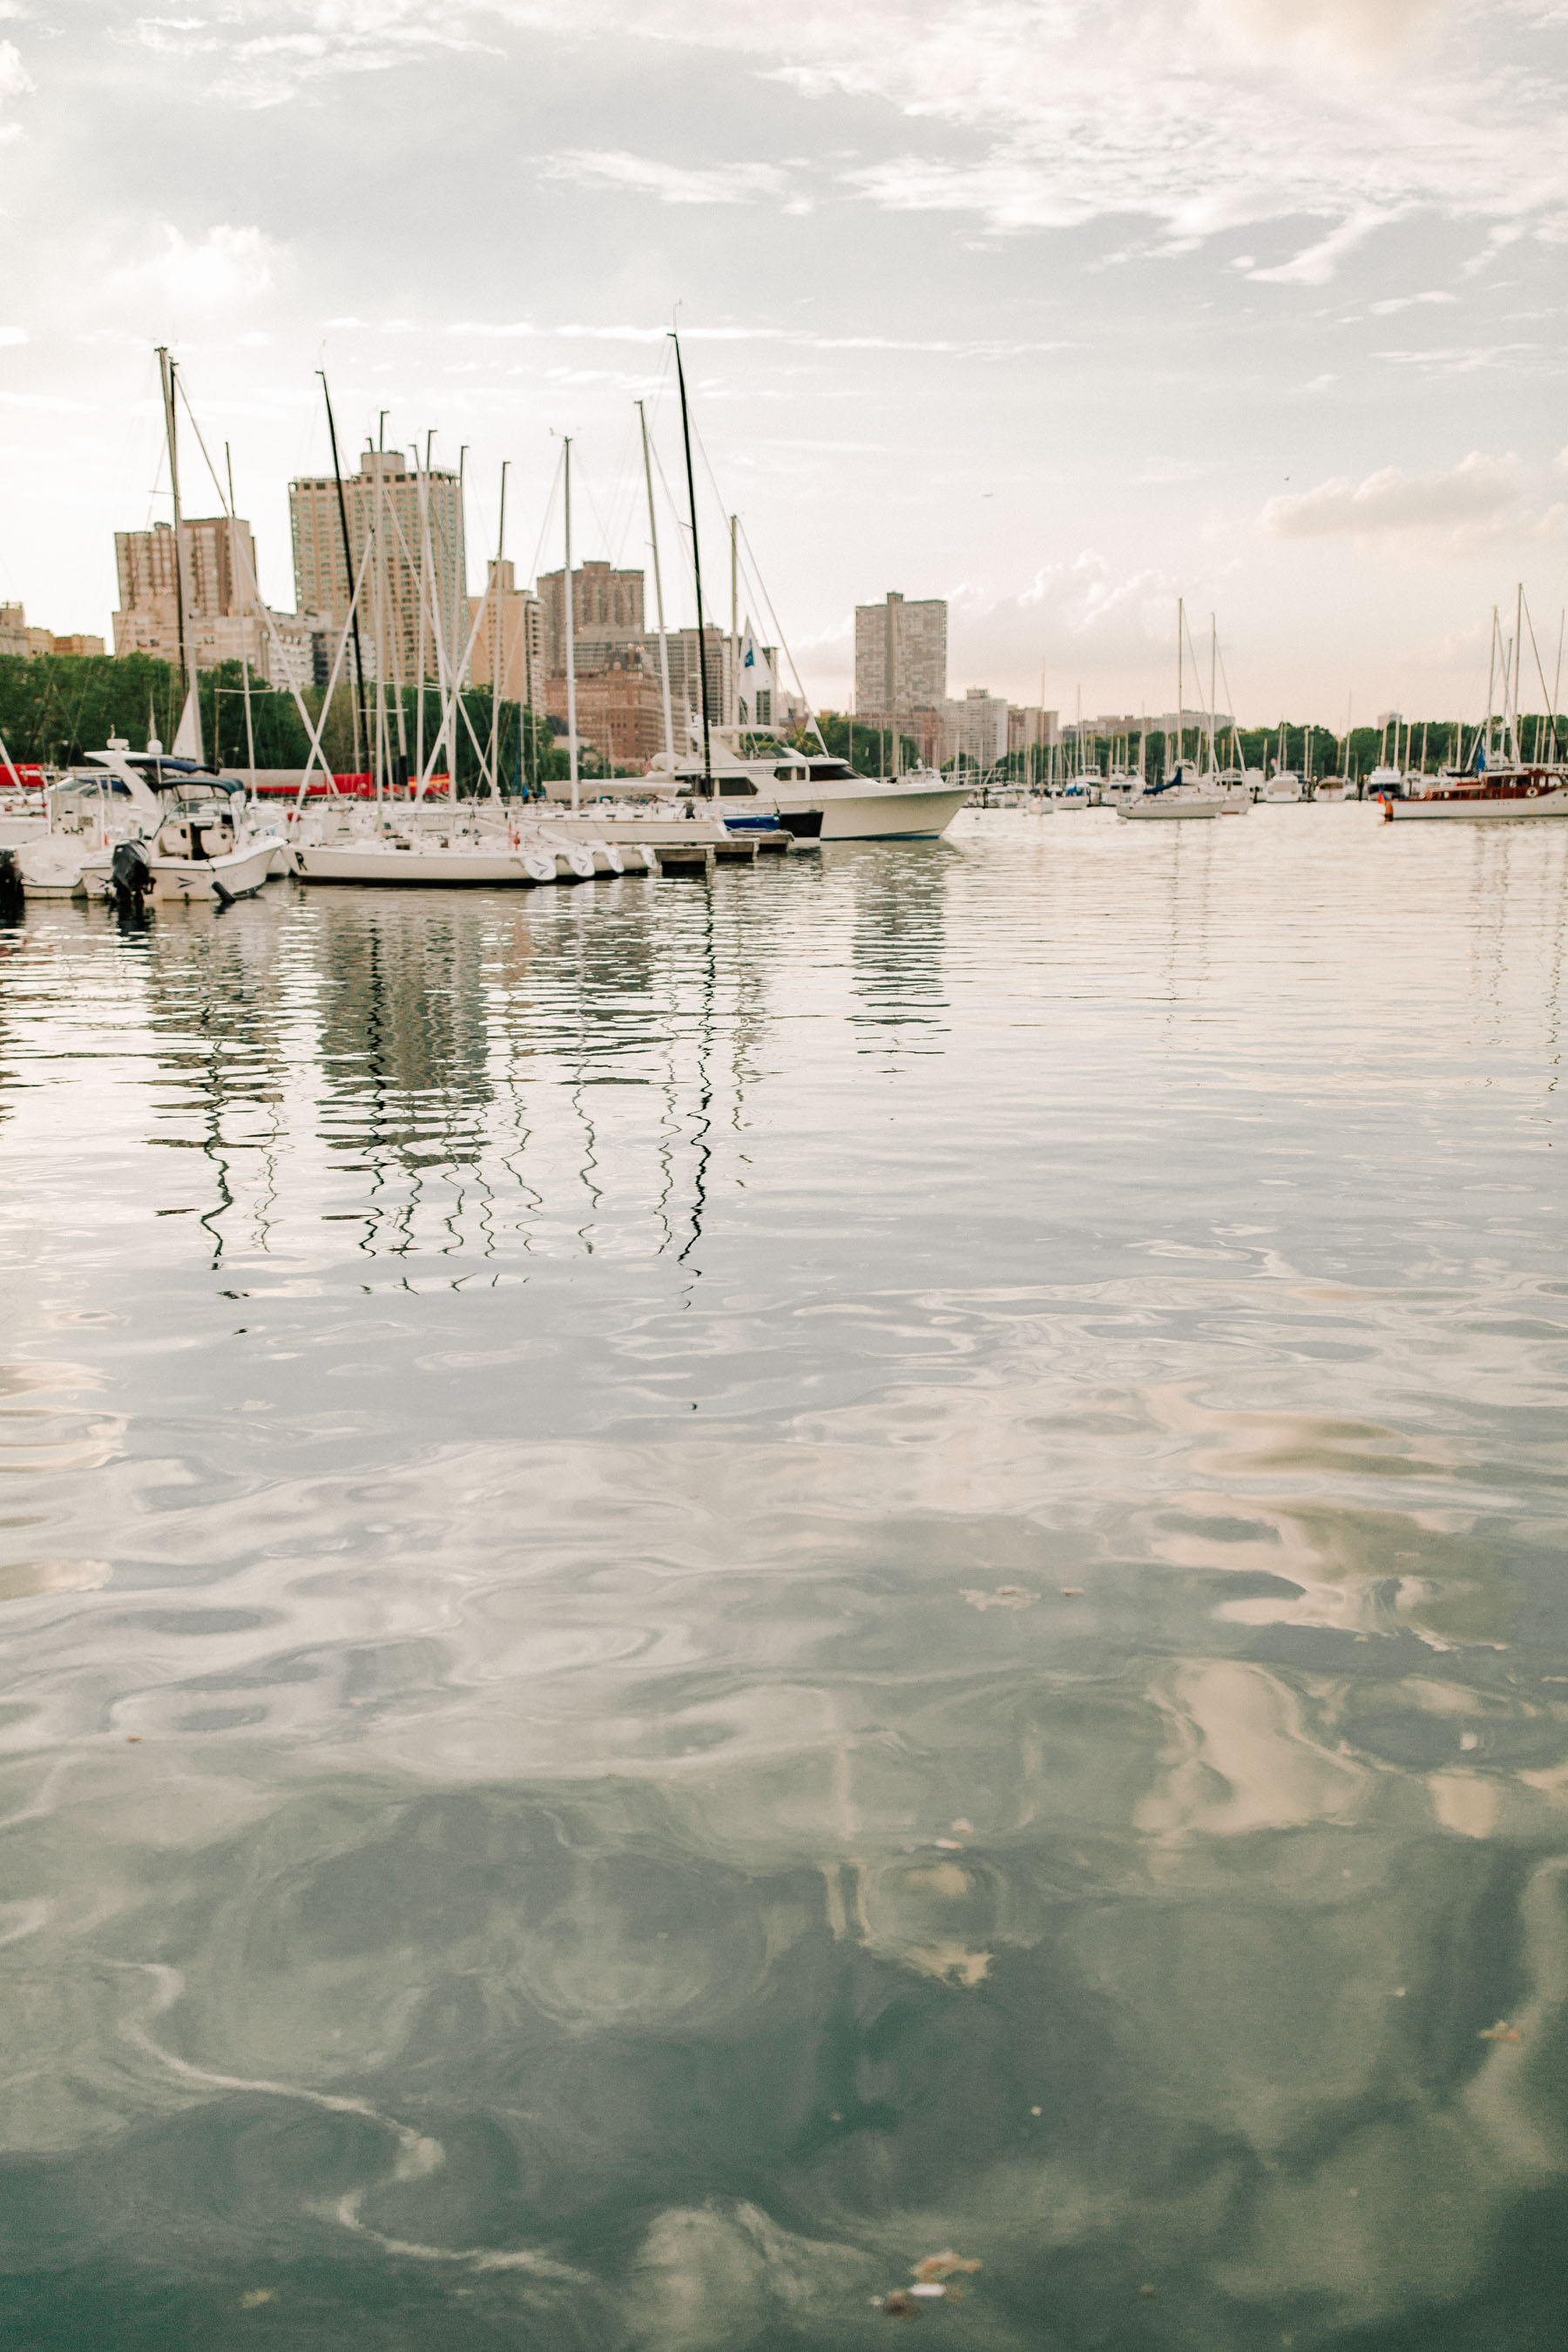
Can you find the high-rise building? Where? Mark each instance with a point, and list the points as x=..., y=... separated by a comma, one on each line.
x=396, y=625
x=976, y=727
x=218, y=559
x=609, y=614
x=900, y=657
x=510, y=637
x=686, y=673
x=218, y=569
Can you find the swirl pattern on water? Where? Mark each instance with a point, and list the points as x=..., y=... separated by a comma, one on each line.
x=706, y=1587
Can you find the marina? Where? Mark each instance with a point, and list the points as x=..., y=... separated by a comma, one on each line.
x=783, y=1293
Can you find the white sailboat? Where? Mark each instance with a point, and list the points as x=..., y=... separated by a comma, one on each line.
x=1183, y=794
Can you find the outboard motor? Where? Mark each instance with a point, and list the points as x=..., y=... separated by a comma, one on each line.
x=11, y=895
x=131, y=875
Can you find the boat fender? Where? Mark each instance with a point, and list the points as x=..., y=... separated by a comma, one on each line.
x=11, y=892
x=131, y=873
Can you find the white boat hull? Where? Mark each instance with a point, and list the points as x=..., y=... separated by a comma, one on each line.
x=1472, y=808
x=51, y=868
x=880, y=813
x=385, y=865
x=238, y=874
x=1166, y=808
x=637, y=830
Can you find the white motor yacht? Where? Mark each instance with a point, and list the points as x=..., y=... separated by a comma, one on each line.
x=190, y=827
x=814, y=796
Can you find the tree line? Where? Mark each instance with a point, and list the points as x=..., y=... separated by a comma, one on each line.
x=57, y=708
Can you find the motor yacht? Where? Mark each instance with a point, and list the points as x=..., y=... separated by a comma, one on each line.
x=1489, y=793
x=190, y=826
x=816, y=796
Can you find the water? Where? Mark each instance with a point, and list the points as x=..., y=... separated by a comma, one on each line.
x=533, y=1817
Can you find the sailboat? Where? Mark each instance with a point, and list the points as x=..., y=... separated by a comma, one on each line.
x=1183, y=793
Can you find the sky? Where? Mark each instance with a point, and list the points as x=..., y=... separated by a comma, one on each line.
x=1056, y=309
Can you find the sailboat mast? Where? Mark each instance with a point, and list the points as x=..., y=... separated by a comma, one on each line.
x=1214, y=649
x=358, y=698
x=657, y=592
x=420, y=660
x=498, y=642
x=734, y=627
x=571, y=633
x=1181, y=625
x=696, y=573
x=187, y=651
x=244, y=649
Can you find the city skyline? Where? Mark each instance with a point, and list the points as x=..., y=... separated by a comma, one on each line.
x=1053, y=315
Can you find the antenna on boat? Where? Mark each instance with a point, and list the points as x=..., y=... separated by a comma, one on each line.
x=348, y=570
x=696, y=572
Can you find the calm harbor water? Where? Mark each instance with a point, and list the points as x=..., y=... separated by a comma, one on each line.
x=708, y=1590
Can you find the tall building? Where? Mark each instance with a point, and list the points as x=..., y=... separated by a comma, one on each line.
x=383, y=502
x=900, y=657
x=1030, y=727
x=218, y=566
x=609, y=612
x=976, y=727
x=685, y=670
x=510, y=637
x=620, y=712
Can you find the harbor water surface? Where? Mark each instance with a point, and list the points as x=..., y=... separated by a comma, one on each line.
x=709, y=1588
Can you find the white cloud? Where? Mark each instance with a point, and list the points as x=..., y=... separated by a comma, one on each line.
x=1196, y=115
x=671, y=184
x=226, y=266
x=1317, y=263
x=15, y=81
x=1407, y=302
x=1478, y=490
x=11, y=335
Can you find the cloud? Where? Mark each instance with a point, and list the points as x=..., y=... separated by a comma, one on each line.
x=1317, y=263
x=15, y=81
x=225, y=267
x=1408, y=302
x=1196, y=116
x=308, y=41
x=671, y=184
x=1325, y=32
x=1478, y=490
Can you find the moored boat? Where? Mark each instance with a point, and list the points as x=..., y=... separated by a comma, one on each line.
x=1494, y=794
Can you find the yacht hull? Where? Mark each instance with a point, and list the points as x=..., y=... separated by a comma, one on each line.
x=383, y=864
x=887, y=813
x=1165, y=809
x=1549, y=801
x=238, y=874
